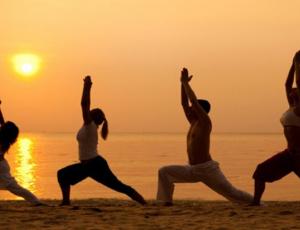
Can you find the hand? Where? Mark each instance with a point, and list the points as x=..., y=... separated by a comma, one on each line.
x=185, y=75
x=87, y=81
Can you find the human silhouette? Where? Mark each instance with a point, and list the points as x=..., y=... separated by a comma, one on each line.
x=201, y=167
x=92, y=164
x=8, y=135
x=288, y=160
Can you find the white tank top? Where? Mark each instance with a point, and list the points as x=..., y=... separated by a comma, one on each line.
x=87, y=138
x=289, y=118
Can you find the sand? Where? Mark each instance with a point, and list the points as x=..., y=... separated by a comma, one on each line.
x=123, y=214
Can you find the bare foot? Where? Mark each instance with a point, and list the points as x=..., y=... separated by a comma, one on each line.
x=138, y=198
x=168, y=204
x=255, y=204
x=65, y=203
x=40, y=204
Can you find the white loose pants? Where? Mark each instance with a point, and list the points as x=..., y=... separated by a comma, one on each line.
x=209, y=173
x=7, y=182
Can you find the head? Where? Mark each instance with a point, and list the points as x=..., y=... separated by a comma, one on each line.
x=8, y=135
x=294, y=95
x=205, y=105
x=99, y=118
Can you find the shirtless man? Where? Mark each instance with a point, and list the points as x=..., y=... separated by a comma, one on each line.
x=201, y=167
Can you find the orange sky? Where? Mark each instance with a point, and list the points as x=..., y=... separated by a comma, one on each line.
x=238, y=51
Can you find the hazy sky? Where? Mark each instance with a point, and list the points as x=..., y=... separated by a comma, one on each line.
x=238, y=51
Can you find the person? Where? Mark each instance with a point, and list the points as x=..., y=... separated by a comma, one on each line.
x=8, y=135
x=92, y=164
x=288, y=160
x=201, y=167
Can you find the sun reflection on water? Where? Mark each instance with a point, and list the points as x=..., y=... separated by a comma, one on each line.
x=25, y=164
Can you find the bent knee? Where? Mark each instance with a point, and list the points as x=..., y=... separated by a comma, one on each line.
x=163, y=171
x=61, y=176
x=264, y=174
x=258, y=173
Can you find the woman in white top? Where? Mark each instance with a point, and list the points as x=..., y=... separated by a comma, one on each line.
x=91, y=163
x=288, y=160
x=8, y=135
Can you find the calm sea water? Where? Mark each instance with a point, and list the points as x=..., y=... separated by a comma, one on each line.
x=135, y=159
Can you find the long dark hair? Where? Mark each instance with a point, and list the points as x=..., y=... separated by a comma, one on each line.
x=8, y=135
x=99, y=118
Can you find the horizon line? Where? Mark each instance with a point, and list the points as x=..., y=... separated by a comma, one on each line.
x=148, y=132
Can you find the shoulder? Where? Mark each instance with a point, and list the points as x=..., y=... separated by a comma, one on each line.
x=90, y=126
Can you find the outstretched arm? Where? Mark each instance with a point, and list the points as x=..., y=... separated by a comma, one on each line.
x=1, y=116
x=185, y=78
x=289, y=84
x=86, y=100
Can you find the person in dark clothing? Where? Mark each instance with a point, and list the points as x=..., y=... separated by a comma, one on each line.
x=288, y=160
x=92, y=164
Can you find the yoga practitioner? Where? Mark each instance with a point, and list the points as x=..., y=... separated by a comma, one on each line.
x=92, y=164
x=201, y=167
x=288, y=160
x=8, y=135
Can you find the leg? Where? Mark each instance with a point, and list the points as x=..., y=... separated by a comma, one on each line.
x=65, y=190
x=68, y=176
x=169, y=175
x=258, y=191
x=16, y=189
x=271, y=170
x=214, y=178
x=101, y=172
x=296, y=164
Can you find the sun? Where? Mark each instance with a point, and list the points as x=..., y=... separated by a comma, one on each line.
x=26, y=64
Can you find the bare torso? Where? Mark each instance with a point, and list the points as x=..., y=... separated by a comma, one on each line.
x=198, y=142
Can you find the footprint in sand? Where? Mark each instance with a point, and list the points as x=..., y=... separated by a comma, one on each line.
x=95, y=209
x=283, y=213
x=232, y=213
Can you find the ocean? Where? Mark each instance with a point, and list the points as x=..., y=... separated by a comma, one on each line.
x=135, y=159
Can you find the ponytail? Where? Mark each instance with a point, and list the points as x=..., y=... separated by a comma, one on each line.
x=99, y=118
x=104, y=130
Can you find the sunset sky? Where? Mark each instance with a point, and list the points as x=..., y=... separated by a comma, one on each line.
x=238, y=51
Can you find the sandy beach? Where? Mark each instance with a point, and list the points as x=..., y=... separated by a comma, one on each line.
x=123, y=214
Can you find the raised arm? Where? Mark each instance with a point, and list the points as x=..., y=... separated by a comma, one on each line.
x=200, y=112
x=289, y=84
x=1, y=116
x=86, y=100
x=185, y=104
x=297, y=69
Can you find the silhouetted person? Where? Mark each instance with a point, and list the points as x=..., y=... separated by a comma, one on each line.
x=201, y=167
x=288, y=160
x=91, y=163
x=8, y=135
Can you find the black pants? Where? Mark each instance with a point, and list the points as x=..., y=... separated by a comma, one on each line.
x=96, y=168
